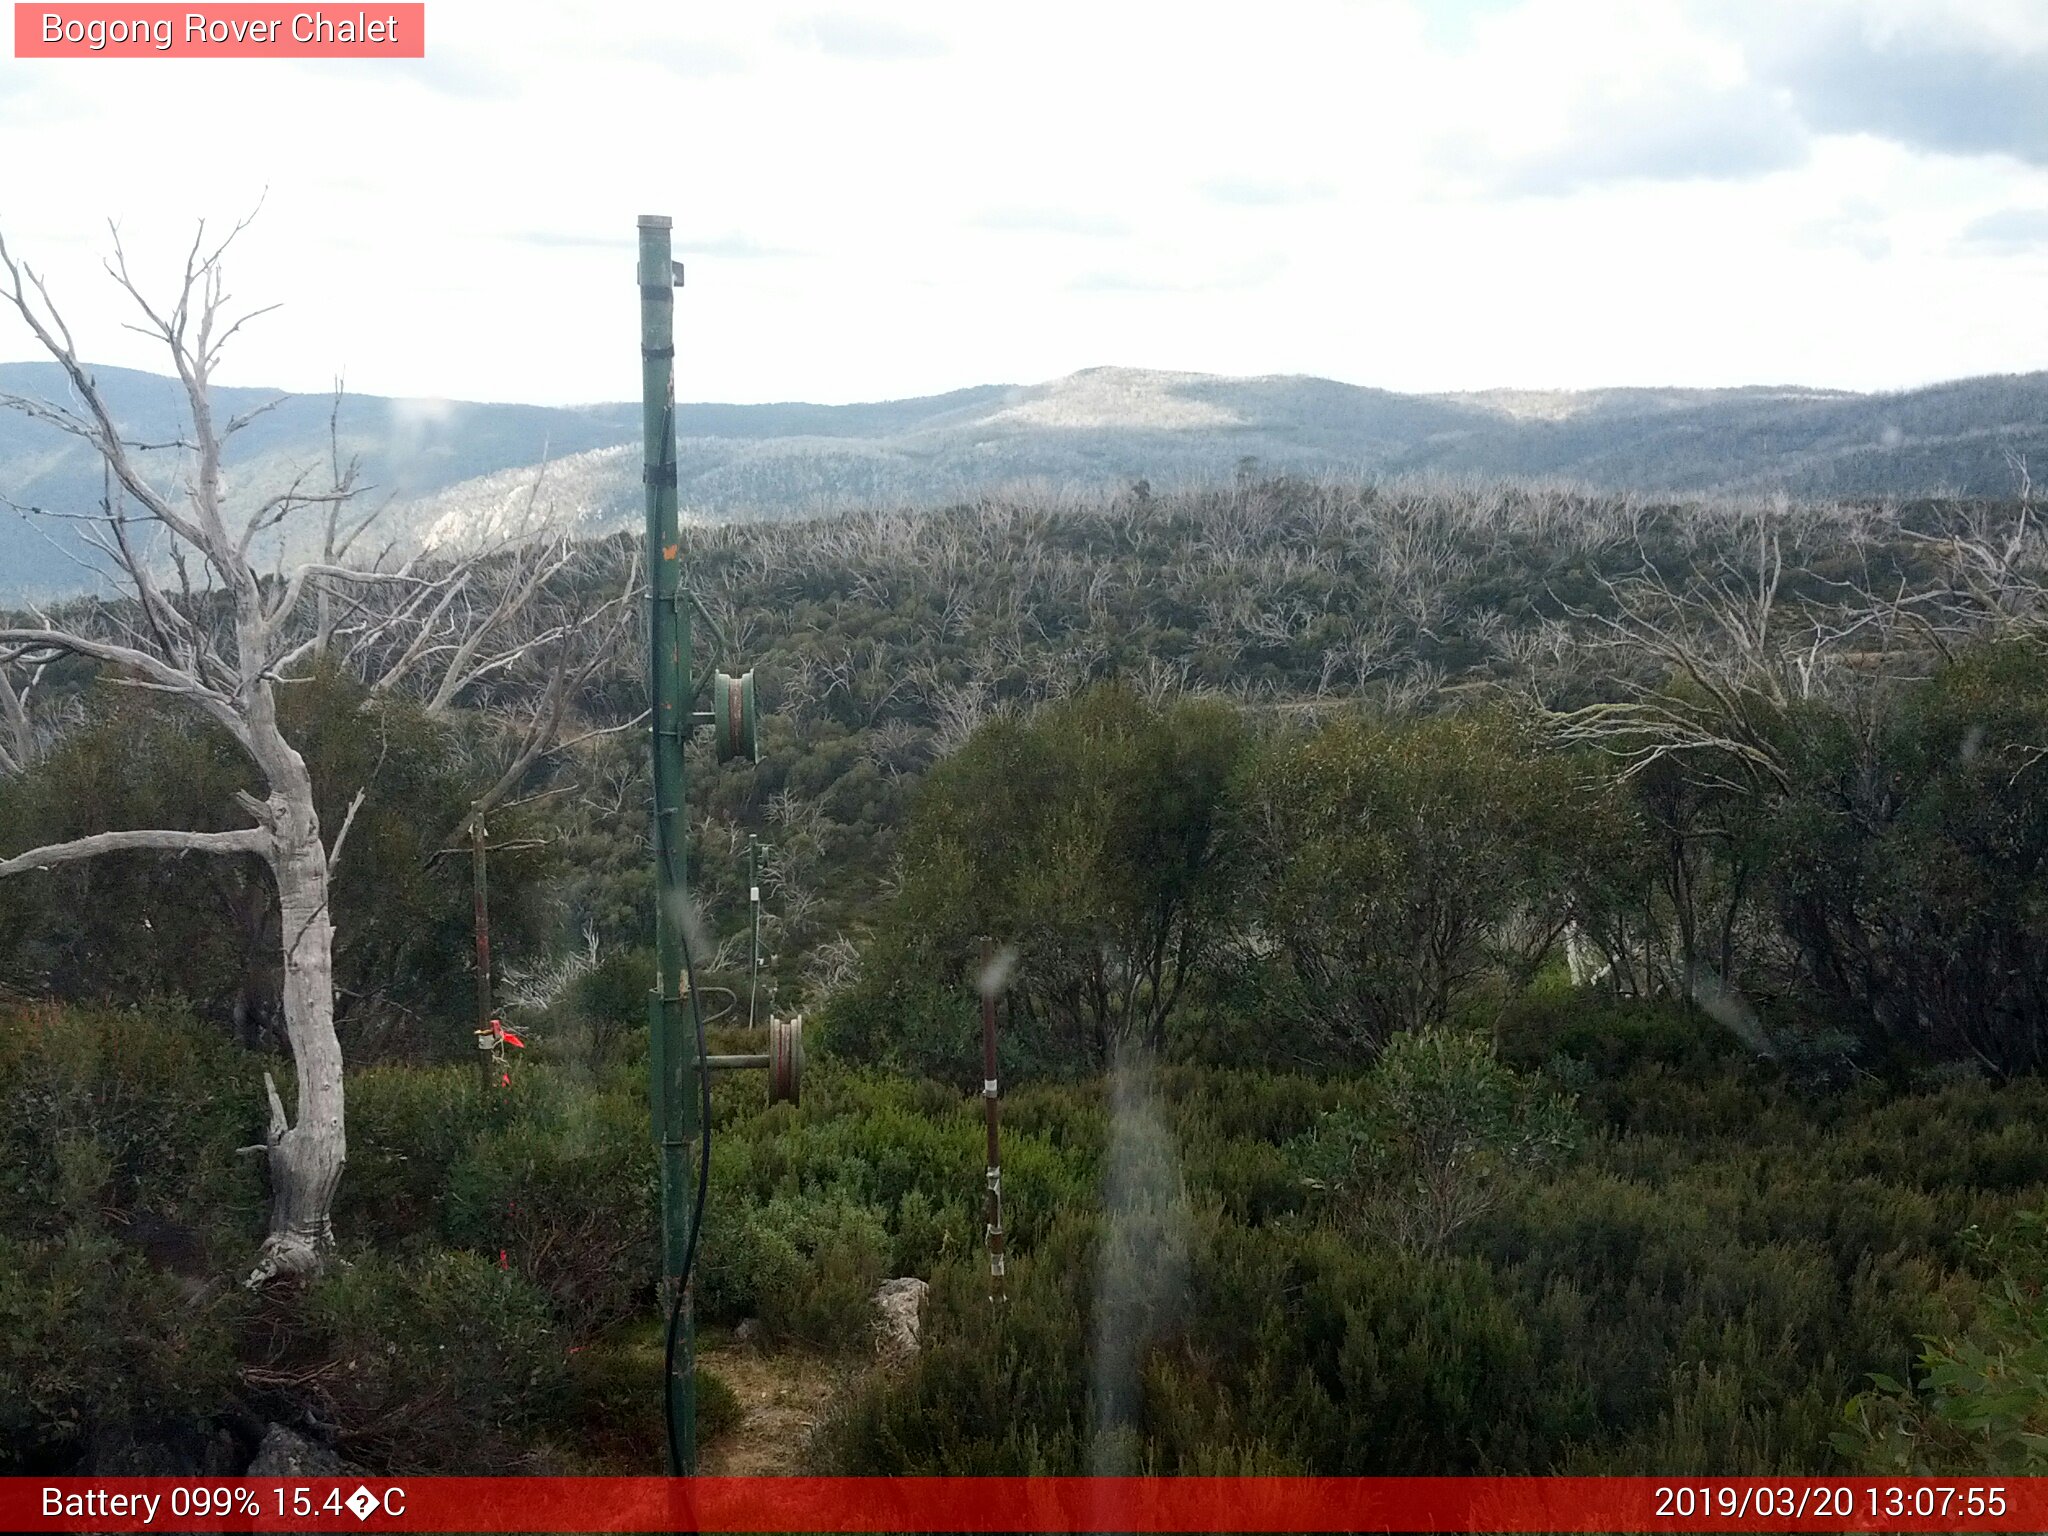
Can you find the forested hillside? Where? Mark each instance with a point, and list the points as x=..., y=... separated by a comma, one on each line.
x=1105, y=428
x=1499, y=980
x=457, y=471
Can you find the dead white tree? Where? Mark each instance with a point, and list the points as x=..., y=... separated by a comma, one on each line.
x=496, y=630
x=1735, y=657
x=231, y=678
x=1993, y=573
x=222, y=641
x=20, y=740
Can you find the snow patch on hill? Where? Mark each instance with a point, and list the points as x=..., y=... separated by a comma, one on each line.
x=1118, y=398
x=580, y=491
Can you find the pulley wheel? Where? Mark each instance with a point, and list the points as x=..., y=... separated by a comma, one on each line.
x=736, y=720
x=785, y=1060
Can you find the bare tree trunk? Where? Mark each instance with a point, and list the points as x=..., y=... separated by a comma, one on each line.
x=306, y=1158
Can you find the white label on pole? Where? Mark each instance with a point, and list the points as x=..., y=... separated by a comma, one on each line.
x=988, y=1087
x=753, y=893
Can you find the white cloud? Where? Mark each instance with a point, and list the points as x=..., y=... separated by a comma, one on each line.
x=1938, y=75
x=1856, y=224
x=878, y=200
x=846, y=35
x=2006, y=230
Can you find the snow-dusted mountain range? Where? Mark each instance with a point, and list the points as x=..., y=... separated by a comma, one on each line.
x=454, y=470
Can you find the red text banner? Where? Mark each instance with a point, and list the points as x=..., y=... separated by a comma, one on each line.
x=220, y=31
x=457, y=1504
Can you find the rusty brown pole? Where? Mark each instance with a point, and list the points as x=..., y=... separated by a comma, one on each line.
x=486, y=1057
x=992, y=1104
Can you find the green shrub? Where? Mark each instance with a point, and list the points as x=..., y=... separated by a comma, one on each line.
x=910, y=1025
x=134, y=925
x=612, y=1410
x=127, y=1118
x=567, y=1192
x=1612, y=1037
x=1093, y=833
x=437, y=1365
x=1702, y=1295
x=1396, y=853
x=926, y=1232
x=806, y=1265
x=990, y=1392
x=1726, y=1262
x=609, y=1001
x=1444, y=1128
x=1981, y=1403
x=1910, y=862
x=408, y=1127
x=91, y=1336
x=719, y=1410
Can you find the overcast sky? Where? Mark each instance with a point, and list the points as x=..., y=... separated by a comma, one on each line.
x=896, y=199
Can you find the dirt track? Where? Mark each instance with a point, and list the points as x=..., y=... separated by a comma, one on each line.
x=784, y=1395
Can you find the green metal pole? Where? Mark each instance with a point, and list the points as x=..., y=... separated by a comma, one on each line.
x=672, y=1049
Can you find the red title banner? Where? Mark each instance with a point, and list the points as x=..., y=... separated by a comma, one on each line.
x=1565, y=1504
x=236, y=31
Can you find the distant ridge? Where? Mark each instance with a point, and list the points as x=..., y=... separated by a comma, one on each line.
x=456, y=467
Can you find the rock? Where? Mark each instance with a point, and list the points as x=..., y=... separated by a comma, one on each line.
x=900, y=1303
x=287, y=1453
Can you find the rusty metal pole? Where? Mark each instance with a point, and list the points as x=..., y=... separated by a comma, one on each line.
x=486, y=1057
x=992, y=1103
x=754, y=916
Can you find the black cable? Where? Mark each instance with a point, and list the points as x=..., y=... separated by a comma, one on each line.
x=728, y=1008
x=675, y=1306
x=754, y=975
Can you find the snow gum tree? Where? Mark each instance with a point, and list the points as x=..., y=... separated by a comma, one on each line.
x=195, y=619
